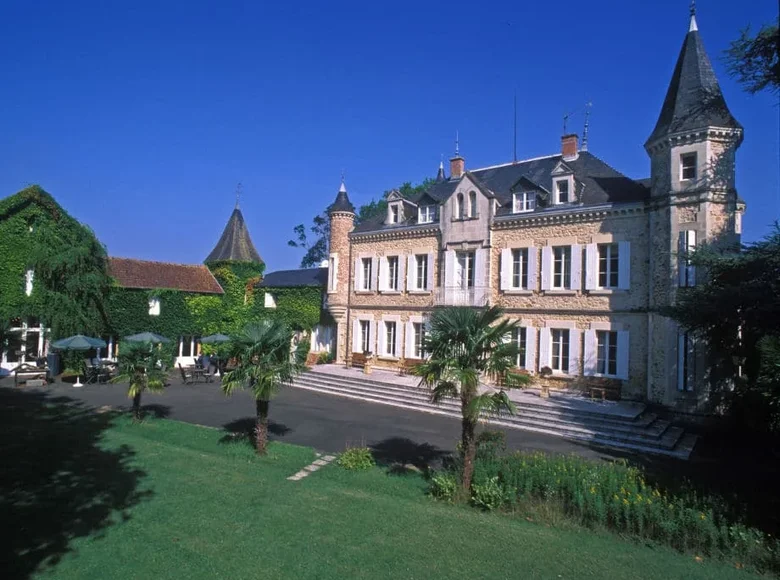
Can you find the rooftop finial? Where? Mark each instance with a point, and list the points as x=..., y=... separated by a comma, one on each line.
x=342, y=187
x=238, y=193
x=457, y=144
x=693, y=26
x=587, y=126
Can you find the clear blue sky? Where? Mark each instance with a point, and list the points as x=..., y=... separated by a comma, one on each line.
x=140, y=117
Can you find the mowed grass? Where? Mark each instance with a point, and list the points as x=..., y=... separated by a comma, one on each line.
x=215, y=511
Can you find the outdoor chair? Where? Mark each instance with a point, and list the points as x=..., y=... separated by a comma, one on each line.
x=186, y=377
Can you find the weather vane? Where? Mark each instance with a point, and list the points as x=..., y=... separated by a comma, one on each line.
x=238, y=193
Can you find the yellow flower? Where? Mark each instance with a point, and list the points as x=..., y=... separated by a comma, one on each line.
x=702, y=516
x=616, y=496
x=592, y=490
x=625, y=502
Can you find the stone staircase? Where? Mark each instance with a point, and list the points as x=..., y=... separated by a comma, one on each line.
x=619, y=425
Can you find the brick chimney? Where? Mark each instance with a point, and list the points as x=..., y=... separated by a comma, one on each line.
x=569, y=147
x=457, y=167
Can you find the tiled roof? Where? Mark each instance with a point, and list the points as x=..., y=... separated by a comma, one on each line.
x=694, y=99
x=235, y=244
x=290, y=278
x=131, y=273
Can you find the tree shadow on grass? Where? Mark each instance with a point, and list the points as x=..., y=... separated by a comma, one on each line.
x=243, y=431
x=57, y=482
x=401, y=455
x=157, y=411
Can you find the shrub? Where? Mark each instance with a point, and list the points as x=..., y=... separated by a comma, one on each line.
x=491, y=494
x=356, y=459
x=444, y=486
x=325, y=358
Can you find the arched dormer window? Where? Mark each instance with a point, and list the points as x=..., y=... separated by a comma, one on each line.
x=460, y=207
x=472, y=204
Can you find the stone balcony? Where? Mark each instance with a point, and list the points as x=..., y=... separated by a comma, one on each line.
x=477, y=296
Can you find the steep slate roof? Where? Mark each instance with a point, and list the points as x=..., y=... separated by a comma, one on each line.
x=596, y=184
x=143, y=274
x=291, y=278
x=235, y=244
x=694, y=99
x=342, y=202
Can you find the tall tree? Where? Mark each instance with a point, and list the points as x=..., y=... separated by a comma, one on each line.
x=265, y=362
x=463, y=345
x=755, y=60
x=316, y=247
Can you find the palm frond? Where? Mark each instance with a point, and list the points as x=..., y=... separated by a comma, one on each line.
x=490, y=404
x=443, y=390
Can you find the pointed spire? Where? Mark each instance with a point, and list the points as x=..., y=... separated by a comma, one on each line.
x=586, y=128
x=342, y=203
x=694, y=99
x=342, y=187
x=234, y=244
x=440, y=175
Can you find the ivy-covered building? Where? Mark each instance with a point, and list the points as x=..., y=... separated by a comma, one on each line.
x=56, y=280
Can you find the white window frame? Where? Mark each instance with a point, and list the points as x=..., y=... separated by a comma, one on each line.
x=683, y=166
x=421, y=270
x=395, y=213
x=563, y=349
x=465, y=273
x=460, y=206
x=269, y=301
x=472, y=204
x=418, y=337
x=519, y=280
x=389, y=338
x=569, y=181
x=393, y=274
x=685, y=269
x=611, y=262
x=366, y=284
x=154, y=306
x=333, y=273
x=365, y=335
x=546, y=346
x=523, y=202
x=622, y=350
x=565, y=261
x=426, y=214
x=520, y=338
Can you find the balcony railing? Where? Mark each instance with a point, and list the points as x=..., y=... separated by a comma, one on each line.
x=455, y=296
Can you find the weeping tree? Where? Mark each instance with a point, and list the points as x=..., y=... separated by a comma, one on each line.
x=265, y=361
x=463, y=345
x=140, y=365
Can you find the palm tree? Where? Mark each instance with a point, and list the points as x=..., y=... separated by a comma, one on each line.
x=265, y=361
x=138, y=366
x=463, y=344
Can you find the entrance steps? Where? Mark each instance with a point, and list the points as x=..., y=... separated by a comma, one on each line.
x=626, y=426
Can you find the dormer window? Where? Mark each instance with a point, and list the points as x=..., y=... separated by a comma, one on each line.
x=525, y=201
x=562, y=193
x=426, y=214
x=687, y=166
x=394, y=214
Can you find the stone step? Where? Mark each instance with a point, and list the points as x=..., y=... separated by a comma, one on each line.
x=645, y=422
x=661, y=437
x=666, y=446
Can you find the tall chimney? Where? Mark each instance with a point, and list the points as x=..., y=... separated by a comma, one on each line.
x=457, y=167
x=569, y=147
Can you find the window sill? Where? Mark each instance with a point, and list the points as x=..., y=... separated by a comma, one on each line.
x=606, y=291
x=419, y=291
x=390, y=292
x=465, y=219
x=387, y=358
x=561, y=292
x=518, y=292
x=364, y=292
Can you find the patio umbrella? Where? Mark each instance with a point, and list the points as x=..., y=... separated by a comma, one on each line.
x=213, y=338
x=78, y=342
x=147, y=337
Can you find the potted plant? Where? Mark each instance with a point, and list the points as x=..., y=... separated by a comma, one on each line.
x=544, y=384
x=367, y=367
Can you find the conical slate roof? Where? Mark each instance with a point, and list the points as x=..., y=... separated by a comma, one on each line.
x=440, y=175
x=235, y=244
x=694, y=99
x=342, y=202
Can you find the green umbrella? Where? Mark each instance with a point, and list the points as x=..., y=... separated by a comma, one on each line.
x=147, y=337
x=78, y=342
x=212, y=338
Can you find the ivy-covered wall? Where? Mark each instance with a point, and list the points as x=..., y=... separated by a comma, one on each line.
x=299, y=307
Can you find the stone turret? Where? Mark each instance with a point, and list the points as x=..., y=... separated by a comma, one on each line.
x=342, y=221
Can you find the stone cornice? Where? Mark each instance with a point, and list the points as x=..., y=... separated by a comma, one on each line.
x=395, y=234
x=342, y=214
x=579, y=215
x=722, y=134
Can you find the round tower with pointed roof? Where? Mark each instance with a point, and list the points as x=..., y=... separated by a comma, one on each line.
x=342, y=221
x=693, y=199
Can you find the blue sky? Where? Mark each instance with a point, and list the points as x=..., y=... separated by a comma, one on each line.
x=140, y=117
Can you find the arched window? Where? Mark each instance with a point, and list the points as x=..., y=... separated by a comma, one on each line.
x=472, y=204
x=460, y=209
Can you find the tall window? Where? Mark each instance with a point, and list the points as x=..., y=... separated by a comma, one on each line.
x=472, y=204
x=520, y=268
x=392, y=273
x=154, y=307
x=29, y=275
x=562, y=190
x=688, y=166
x=560, y=350
x=525, y=201
x=608, y=265
x=606, y=356
x=390, y=329
x=365, y=335
x=686, y=362
x=421, y=278
x=686, y=269
x=464, y=270
x=365, y=278
x=426, y=214
x=419, y=339
x=332, y=270
x=519, y=337
x=394, y=214
x=188, y=346
x=561, y=267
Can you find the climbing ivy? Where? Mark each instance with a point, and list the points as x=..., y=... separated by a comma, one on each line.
x=299, y=307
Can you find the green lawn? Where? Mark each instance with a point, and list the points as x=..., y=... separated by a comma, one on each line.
x=209, y=509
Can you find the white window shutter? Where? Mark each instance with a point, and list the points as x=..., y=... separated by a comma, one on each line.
x=372, y=337
x=576, y=267
x=624, y=265
x=506, y=269
x=681, y=262
x=374, y=268
x=544, y=347
x=591, y=267
x=530, y=349
x=449, y=269
x=356, y=336
x=399, y=329
x=408, y=343
x=357, y=283
x=546, y=268
x=532, y=268
x=411, y=272
x=622, y=354
x=574, y=352
x=691, y=245
x=590, y=360
x=401, y=273
x=383, y=273
x=480, y=268
x=429, y=281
